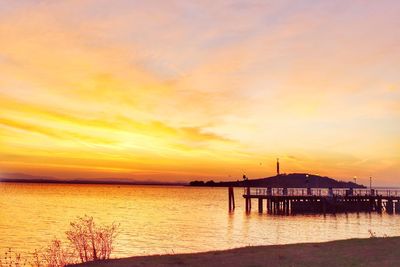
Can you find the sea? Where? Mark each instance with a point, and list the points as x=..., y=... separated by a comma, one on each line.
x=166, y=219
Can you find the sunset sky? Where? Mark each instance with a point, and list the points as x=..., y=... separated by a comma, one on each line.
x=183, y=90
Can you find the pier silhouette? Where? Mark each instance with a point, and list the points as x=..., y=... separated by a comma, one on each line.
x=287, y=201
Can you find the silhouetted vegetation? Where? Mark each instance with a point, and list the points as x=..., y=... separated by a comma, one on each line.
x=12, y=259
x=293, y=180
x=90, y=241
x=55, y=255
x=87, y=242
x=210, y=183
x=196, y=183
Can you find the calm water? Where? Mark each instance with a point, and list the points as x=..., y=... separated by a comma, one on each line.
x=157, y=220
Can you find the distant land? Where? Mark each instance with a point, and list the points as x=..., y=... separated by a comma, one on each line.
x=26, y=178
x=292, y=180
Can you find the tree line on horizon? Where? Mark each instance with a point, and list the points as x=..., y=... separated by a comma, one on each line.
x=293, y=180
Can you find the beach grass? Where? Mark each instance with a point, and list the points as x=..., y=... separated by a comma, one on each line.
x=352, y=252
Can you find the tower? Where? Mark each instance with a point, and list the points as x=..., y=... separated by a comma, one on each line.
x=277, y=167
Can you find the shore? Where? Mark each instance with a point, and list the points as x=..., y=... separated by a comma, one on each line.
x=352, y=252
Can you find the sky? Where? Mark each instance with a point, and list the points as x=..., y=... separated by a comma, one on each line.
x=183, y=90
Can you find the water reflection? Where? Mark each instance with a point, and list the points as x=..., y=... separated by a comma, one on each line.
x=166, y=219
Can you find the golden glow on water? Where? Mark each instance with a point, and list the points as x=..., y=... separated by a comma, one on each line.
x=165, y=219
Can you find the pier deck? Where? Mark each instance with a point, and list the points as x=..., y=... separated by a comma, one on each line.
x=320, y=200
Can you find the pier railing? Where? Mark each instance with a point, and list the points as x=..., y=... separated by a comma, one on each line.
x=272, y=191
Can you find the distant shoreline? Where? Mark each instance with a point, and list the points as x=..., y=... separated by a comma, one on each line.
x=291, y=180
x=351, y=252
x=83, y=182
x=44, y=181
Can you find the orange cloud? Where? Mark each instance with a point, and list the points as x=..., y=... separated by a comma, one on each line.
x=150, y=91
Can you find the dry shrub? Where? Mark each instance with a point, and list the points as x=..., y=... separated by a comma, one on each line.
x=87, y=242
x=91, y=242
x=37, y=259
x=12, y=259
x=55, y=255
x=372, y=234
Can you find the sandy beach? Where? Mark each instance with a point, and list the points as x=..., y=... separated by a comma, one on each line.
x=353, y=252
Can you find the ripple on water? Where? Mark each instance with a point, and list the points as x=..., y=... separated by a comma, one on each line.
x=159, y=220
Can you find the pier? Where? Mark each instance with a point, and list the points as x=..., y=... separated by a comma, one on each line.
x=287, y=201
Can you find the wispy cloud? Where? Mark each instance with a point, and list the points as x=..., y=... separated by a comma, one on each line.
x=211, y=85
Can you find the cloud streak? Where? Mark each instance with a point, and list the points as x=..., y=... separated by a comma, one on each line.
x=193, y=89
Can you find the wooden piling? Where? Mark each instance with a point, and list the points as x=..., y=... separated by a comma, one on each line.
x=373, y=204
x=389, y=206
x=231, y=197
x=379, y=204
x=397, y=207
x=248, y=200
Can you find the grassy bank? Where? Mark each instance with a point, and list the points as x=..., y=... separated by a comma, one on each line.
x=353, y=252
